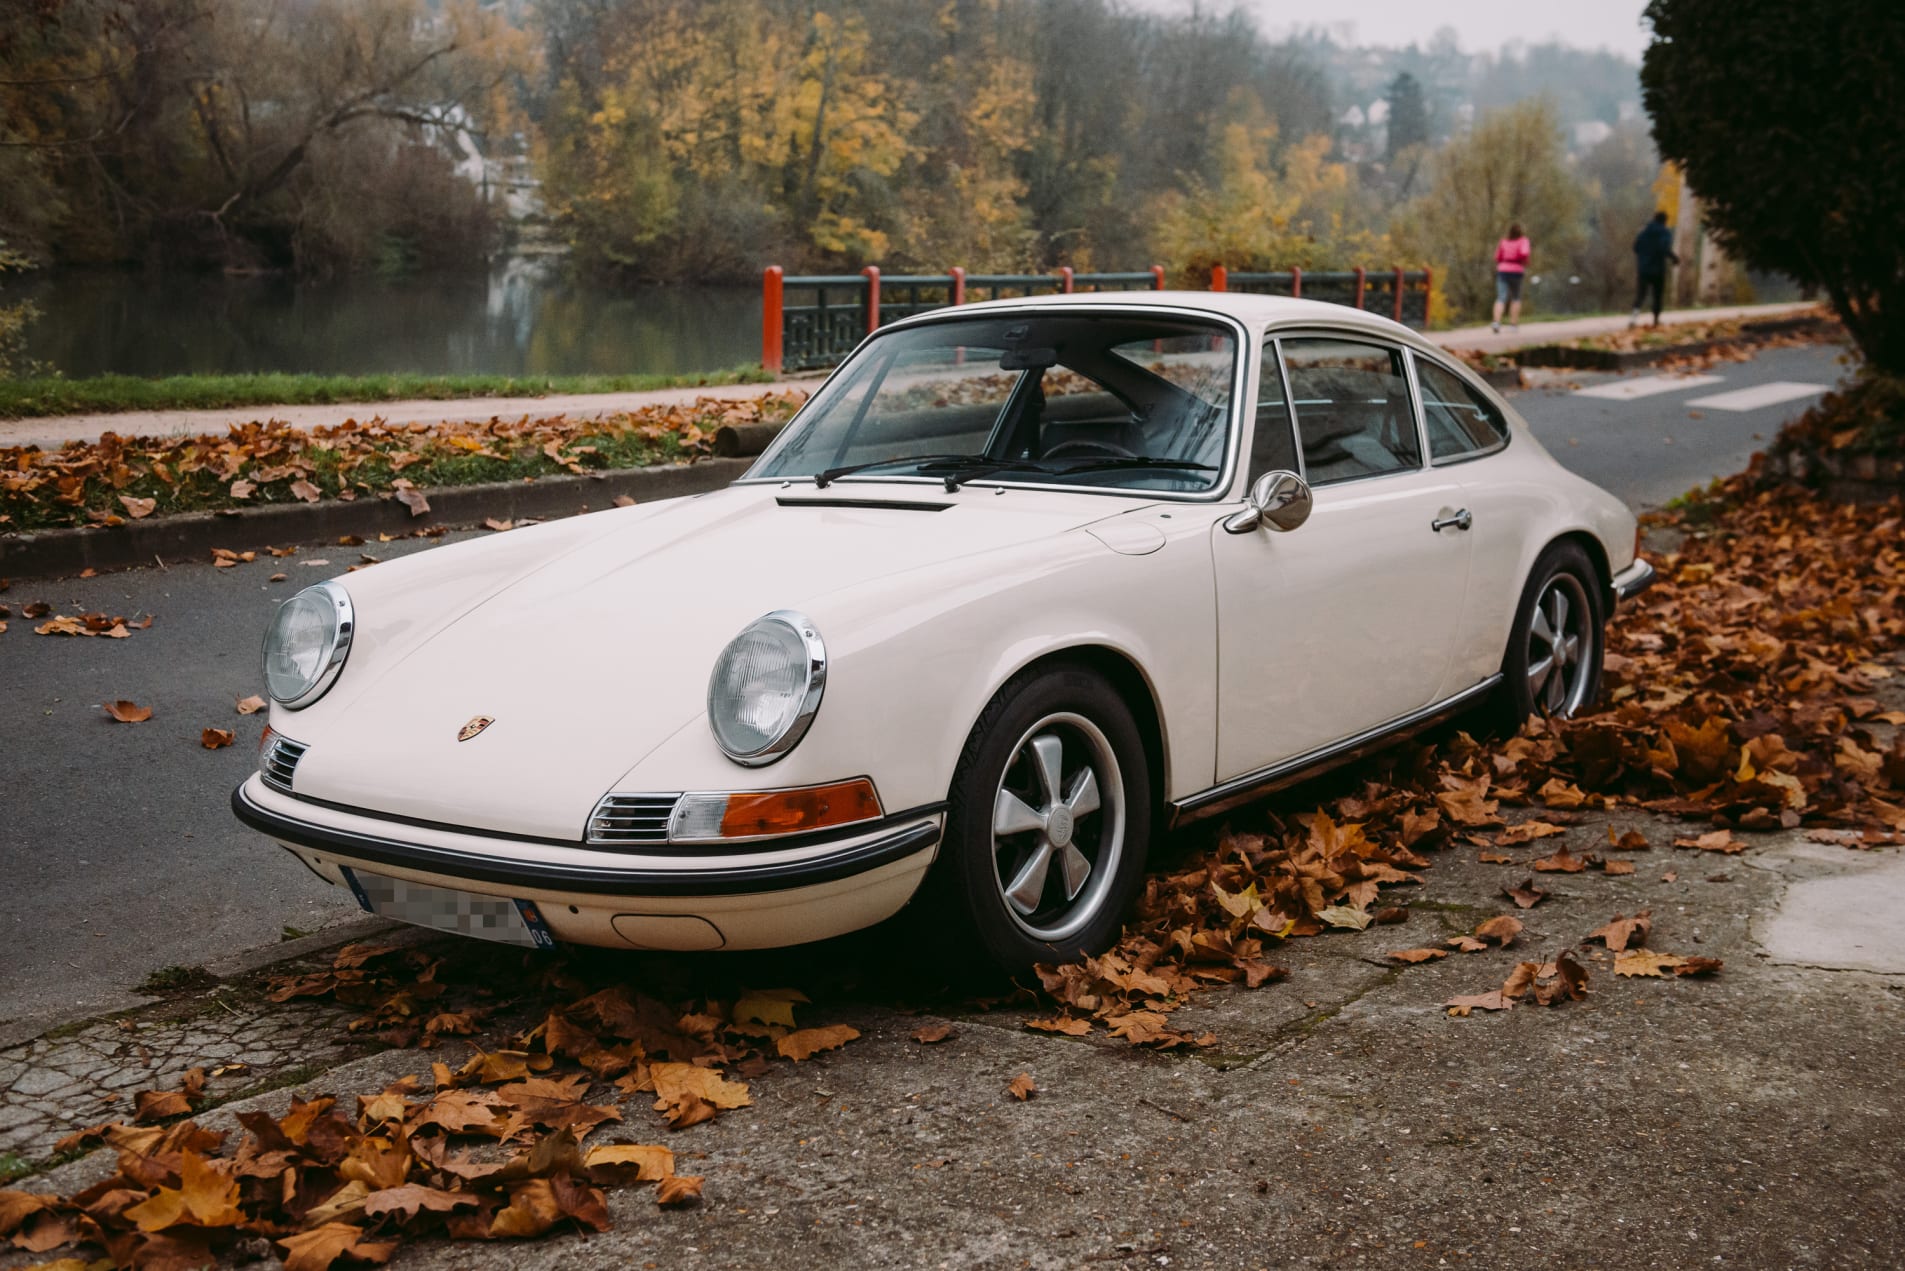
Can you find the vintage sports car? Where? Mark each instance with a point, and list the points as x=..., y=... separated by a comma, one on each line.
x=1023, y=586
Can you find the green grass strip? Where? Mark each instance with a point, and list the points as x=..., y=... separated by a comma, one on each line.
x=40, y=396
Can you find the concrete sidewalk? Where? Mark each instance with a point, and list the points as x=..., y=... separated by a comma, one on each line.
x=1481, y=339
x=51, y=433
x=1342, y=1118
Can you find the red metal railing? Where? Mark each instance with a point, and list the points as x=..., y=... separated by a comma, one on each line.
x=839, y=310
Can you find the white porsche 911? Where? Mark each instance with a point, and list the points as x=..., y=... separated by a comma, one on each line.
x=1024, y=585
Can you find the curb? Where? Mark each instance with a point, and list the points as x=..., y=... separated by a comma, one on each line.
x=194, y=534
x=1569, y=357
x=32, y=1027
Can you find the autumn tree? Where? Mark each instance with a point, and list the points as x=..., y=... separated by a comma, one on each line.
x=1785, y=119
x=1511, y=168
x=1408, y=114
x=224, y=131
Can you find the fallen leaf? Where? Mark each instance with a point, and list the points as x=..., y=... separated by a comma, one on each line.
x=304, y=490
x=1487, y=857
x=1527, y=832
x=807, y=1042
x=1345, y=916
x=1491, y=1001
x=138, y=509
x=1502, y=929
x=128, y=712
x=1617, y=867
x=647, y=1164
x=1022, y=1087
x=214, y=738
x=1630, y=841
x=1525, y=894
x=491, y=523
x=251, y=705
x=1562, y=862
x=932, y=1034
x=1717, y=841
x=1065, y=1024
x=1418, y=955
x=1645, y=962
x=320, y=1247
x=679, y=1189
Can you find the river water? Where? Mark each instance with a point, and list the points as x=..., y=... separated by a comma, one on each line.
x=525, y=316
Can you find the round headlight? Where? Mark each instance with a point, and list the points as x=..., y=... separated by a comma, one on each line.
x=766, y=687
x=306, y=645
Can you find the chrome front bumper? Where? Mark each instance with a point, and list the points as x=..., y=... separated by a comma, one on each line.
x=751, y=899
x=1633, y=580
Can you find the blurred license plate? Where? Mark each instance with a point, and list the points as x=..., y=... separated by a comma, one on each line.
x=465, y=913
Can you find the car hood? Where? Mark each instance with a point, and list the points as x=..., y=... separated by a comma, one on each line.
x=595, y=649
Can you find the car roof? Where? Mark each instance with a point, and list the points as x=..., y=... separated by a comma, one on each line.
x=1248, y=308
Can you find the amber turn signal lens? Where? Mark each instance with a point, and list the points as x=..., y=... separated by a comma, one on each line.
x=792, y=811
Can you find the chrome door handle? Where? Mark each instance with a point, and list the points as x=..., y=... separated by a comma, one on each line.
x=1461, y=521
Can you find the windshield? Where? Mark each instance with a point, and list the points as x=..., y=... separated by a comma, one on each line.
x=1124, y=401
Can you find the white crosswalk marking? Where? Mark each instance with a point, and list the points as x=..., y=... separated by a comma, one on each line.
x=1759, y=395
x=1647, y=386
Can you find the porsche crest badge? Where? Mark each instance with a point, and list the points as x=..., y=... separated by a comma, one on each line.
x=475, y=726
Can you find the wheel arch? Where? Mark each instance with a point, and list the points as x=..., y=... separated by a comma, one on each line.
x=1590, y=543
x=1125, y=676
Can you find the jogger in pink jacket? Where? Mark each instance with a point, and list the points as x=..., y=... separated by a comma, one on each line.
x=1511, y=264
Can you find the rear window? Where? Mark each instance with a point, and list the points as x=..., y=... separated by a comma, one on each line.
x=1460, y=421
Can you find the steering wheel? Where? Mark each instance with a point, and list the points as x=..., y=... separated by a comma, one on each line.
x=1089, y=448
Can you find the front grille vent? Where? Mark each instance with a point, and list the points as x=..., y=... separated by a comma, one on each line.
x=632, y=818
x=280, y=762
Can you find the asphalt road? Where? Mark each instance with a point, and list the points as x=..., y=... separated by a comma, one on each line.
x=119, y=855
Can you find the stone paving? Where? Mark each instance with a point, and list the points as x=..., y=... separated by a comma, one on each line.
x=56, y=1084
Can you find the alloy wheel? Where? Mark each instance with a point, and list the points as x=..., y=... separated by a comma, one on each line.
x=1058, y=823
x=1560, y=648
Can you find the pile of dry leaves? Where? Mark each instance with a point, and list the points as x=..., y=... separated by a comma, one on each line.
x=490, y=1150
x=1743, y=690
x=128, y=478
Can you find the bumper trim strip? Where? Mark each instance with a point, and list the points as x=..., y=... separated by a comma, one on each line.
x=767, y=876
x=1633, y=580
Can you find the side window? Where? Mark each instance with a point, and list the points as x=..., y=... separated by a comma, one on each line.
x=1460, y=420
x=1353, y=415
x=1271, y=445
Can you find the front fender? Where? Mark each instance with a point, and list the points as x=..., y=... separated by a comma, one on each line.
x=913, y=660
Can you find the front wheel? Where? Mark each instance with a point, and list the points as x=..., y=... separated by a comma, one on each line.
x=1553, y=663
x=1048, y=822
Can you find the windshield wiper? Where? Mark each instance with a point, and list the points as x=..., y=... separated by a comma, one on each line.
x=1140, y=461
x=828, y=476
x=985, y=468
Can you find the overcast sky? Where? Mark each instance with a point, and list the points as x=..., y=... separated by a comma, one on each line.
x=1479, y=24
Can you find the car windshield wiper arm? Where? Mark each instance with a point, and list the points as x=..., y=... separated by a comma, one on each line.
x=1141, y=461
x=957, y=477
x=828, y=476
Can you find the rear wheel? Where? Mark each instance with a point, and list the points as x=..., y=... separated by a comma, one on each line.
x=1553, y=663
x=1048, y=822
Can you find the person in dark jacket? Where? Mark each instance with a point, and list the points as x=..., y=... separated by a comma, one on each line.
x=1653, y=251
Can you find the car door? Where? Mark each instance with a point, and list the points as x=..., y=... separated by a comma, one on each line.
x=1465, y=431
x=1350, y=620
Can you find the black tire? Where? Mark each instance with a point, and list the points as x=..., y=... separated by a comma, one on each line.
x=964, y=896
x=1563, y=569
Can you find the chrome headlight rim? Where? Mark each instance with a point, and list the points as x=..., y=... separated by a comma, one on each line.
x=338, y=648
x=815, y=648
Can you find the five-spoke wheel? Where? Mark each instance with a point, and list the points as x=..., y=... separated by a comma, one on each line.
x=1553, y=664
x=1057, y=825
x=1047, y=824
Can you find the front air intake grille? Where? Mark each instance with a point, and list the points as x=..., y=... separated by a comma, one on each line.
x=279, y=762
x=632, y=818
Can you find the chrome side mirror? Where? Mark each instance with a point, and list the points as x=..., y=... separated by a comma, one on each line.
x=1278, y=500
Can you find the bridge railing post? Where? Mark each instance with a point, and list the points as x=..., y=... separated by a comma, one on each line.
x=1219, y=278
x=872, y=273
x=1157, y=278
x=1296, y=282
x=1428, y=294
x=1362, y=281
x=772, y=319
x=1397, y=315
x=1066, y=280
